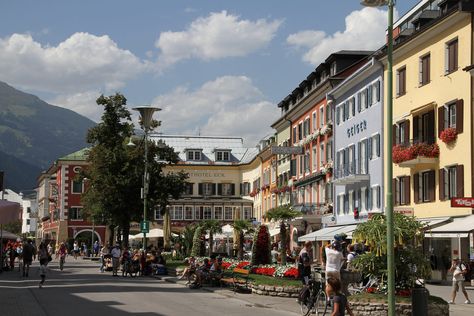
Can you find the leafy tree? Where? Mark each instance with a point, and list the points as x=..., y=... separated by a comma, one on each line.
x=115, y=170
x=410, y=261
x=282, y=214
x=187, y=239
x=197, y=242
x=212, y=226
x=241, y=226
x=13, y=227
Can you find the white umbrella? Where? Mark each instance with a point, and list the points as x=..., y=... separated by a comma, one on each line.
x=154, y=233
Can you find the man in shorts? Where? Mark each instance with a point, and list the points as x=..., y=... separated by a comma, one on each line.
x=29, y=251
x=458, y=269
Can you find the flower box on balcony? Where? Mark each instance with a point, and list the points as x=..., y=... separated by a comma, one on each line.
x=448, y=135
x=401, y=153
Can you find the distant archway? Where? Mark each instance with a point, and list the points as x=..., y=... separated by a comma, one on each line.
x=86, y=236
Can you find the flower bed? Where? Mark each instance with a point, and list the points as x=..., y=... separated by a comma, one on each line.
x=448, y=135
x=402, y=153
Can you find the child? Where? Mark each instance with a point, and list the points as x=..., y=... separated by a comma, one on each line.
x=333, y=287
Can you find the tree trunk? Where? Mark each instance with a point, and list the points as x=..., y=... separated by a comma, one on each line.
x=283, y=242
x=241, y=245
x=211, y=241
x=167, y=231
x=111, y=235
x=125, y=233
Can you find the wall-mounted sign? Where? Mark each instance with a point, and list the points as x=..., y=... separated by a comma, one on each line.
x=462, y=202
x=357, y=128
x=408, y=211
x=280, y=150
x=205, y=174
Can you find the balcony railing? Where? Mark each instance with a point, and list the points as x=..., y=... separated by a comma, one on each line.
x=313, y=209
x=351, y=172
x=414, y=153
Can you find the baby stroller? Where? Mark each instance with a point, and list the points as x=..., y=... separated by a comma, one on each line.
x=108, y=262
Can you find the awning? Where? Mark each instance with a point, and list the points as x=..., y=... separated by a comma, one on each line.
x=274, y=231
x=328, y=233
x=428, y=223
x=459, y=228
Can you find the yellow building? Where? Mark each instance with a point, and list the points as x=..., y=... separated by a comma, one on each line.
x=432, y=105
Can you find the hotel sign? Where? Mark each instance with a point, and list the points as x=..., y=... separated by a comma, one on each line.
x=280, y=150
x=462, y=202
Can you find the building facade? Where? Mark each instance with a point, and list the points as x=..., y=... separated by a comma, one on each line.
x=358, y=145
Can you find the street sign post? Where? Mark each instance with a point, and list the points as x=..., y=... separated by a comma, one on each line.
x=145, y=227
x=462, y=202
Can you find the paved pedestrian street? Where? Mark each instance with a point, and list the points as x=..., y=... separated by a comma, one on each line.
x=82, y=290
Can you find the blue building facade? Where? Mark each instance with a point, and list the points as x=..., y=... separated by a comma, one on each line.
x=358, y=145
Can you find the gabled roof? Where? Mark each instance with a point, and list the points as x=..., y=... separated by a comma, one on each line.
x=80, y=155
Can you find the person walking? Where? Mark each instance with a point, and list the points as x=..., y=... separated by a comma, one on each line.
x=458, y=269
x=304, y=262
x=62, y=252
x=103, y=252
x=43, y=257
x=116, y=254
x=29, y=252
x=76, y=249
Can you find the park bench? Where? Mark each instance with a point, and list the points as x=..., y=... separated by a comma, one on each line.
x=239, y=279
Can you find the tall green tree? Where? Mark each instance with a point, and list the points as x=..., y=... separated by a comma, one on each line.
x=241, y=226
x=212, y=226
x=197, y=242
x=115, y=170
x=282, y=214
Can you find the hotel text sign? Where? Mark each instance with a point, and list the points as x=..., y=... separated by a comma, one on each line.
x=462, y=202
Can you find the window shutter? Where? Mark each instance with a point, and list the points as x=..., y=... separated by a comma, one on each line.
x=377, y=86
x=416, y=188
x=420, y=71
x=369, y=146
x=191, y=188
x=407, y=132
x=232, y=189
x=395, y=191
x=394, y=134
x=200, y=188
x=353, y=105
x=416, y=136
x=460, y=181
x=430, y=128
x=366, y=160
x=359, y=157
x=359, y=108
x=442, y=195
x=397, y=88
x=407, y=189
x=377, y=142
x=369, y=95
x=459, y=116
x=338, y=115
x=242, y=188
x=366, y=97
x=431, y=185
x=447, y=58
x=440, y=120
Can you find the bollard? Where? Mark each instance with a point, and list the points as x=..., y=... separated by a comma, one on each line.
x=419, y=301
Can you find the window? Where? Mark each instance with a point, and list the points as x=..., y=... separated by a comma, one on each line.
x=321, y=154
x=340, y=203
x=198, y=212
x=208, y=188
x=306, y=127
x=401, y=81
x=75, y=213
x=376, y=198
x=28, y=210
x=327, y=192
x=329, y=151
x=228, y=213
x=375, y=146
x=227, y=189
x=301, y=165
x=328, y=113
x=451, y=182
x=333, y=68
x=338, y=115
x=363, y=161
x=401, y=133
x=247, y=212
x=423, y=128
x=300, y=131
x=352, y=107
x=321, y=116
x=207, y=212
x=347, y=111
x=424, y=185
x=194, y=155
x=450, y=115
x=363, y=100
x=188, y=212
x=158, y=215
x=306, y=162
x=363, y=204
x=222, y=155
x=315, y=158
x=401, y=187
x=294, y=135
x=188, y=188
x=451, y=56
x=77, y=187
x=27, y=221
x=376, y=92
x=218, y=213
x=424, y=76
x=245, y=188
x=315, y=121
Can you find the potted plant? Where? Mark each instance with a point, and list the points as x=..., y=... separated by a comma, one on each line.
x=448, y=135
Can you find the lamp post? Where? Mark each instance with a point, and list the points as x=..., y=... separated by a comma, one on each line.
x=389, y=173
x=146, y=114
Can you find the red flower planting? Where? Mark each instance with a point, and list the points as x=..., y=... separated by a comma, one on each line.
x=264, y=271
x=448, y=135
x=243, y=265
x=291, y=273
x=401, y=153
x=225, y=265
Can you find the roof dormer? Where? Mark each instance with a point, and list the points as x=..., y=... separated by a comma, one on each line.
x=193, y=154
x=222, y=154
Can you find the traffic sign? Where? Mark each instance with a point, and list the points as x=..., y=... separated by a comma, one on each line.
x=145, y=227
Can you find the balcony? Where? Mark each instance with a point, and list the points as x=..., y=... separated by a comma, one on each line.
x=351, y=173
x=415, y=154
x=313, y=209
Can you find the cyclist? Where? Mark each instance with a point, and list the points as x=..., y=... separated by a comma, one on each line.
x=62, y=255
x=126, y=261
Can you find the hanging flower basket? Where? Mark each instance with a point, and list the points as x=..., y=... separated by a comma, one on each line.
x=403, y=153
x=448, y=135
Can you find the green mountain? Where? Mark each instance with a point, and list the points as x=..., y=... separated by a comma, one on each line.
x=33, y=134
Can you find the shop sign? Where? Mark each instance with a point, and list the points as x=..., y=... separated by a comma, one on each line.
x=462, y=202
x=280, y=150
x=407, y=211
x=357, y=128
x=206, y=174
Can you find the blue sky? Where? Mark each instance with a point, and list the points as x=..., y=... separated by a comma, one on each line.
x=215, y=67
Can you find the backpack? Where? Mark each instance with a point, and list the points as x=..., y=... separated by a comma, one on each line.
x=466, y=270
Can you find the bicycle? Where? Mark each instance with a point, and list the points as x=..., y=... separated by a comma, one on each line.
x=315, y=297
x=372, y=283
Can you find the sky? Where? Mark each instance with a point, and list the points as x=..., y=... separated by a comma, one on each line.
x=214, y=67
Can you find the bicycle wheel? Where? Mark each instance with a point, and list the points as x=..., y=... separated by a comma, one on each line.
x=306, y=305
x=321, y=304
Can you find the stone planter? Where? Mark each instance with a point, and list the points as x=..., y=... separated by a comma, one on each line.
x=272, y=290
x=381, y=309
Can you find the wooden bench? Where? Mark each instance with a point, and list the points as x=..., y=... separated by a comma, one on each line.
x=239, y=279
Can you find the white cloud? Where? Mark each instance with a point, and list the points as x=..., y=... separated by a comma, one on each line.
x=364, y=30
x=226, y=106
x=80, y=63
x=217, y=36
x=83, y=103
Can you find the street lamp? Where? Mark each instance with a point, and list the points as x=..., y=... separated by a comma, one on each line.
x=146, y=114
x=388, y=190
